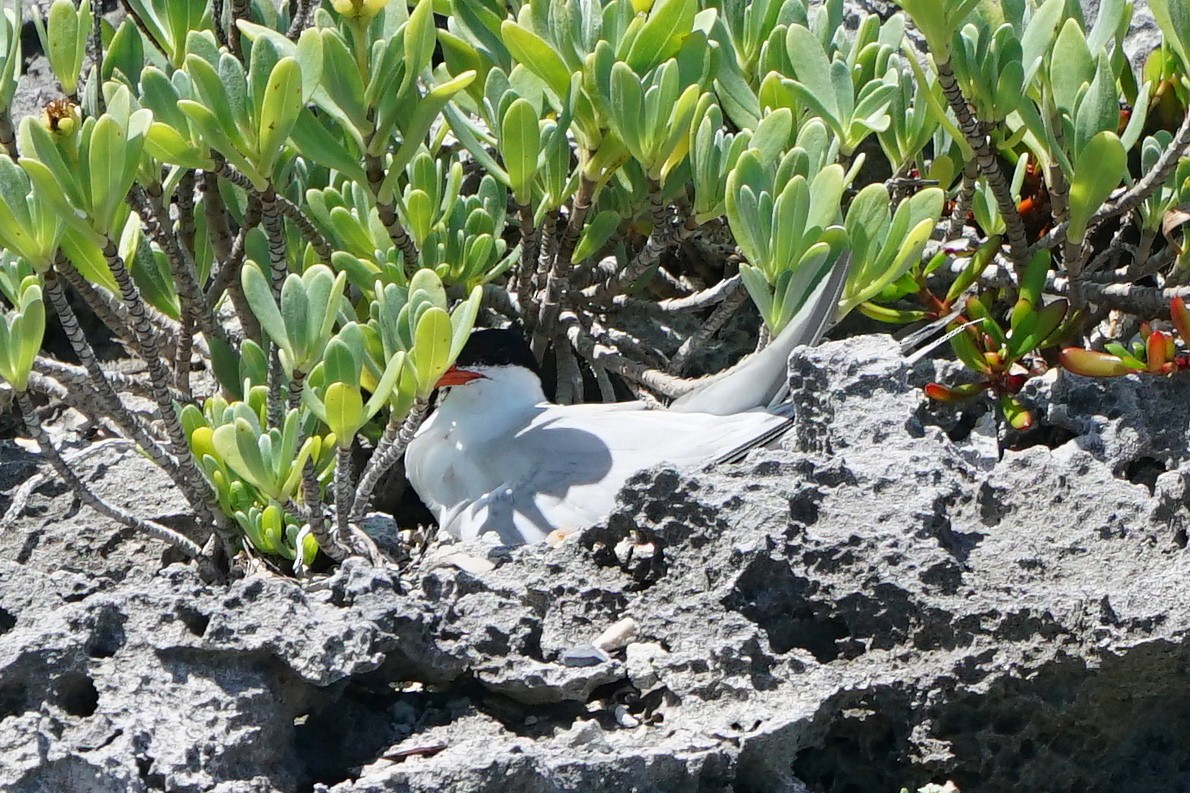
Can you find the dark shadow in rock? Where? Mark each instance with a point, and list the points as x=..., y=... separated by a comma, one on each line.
x=1045, y=435
x=153, y=780
x=32, y=540
x=16, y=464
x=1123, y=727
x=14, y=700
x=643, y=569
x=8, y=621
x=760, y=666
x=945, y=576
x=107, y=637
x=804, y=504
x=195, y=621
x=1144, y=471
x=783, y=605
x=957, y=421
x=965, y=425
x=75, y=774
x=958, y=544
x=115, y=540
x=941, y=630
x=75, y=693
x=534, y=721
x=339, y=737
x=865, y=746
x=992, y=507
x=879, y=619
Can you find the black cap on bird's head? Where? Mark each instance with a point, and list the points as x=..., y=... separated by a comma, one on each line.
x=489, y=347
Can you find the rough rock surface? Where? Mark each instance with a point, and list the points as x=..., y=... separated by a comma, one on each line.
x=889, y=600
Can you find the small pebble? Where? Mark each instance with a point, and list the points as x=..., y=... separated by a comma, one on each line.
x=639, y=660
x=624, y=718
x=584, y=655
x=469, y=564
x=587, y=734
x=629, y=549
x=616, y=636
x=558, y=536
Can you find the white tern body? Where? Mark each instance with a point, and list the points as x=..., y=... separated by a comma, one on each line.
x=496, y=456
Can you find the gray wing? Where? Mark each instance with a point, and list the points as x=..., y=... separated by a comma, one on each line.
x=760, y=379
x=560, y=478
x=581, y=459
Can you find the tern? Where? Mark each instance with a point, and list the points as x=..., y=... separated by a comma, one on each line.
x=495, y=456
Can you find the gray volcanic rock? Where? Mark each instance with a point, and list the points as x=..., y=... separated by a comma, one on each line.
x=885, y=602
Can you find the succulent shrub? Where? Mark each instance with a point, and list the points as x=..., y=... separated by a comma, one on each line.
x=294, y=216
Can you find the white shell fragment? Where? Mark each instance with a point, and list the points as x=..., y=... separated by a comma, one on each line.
x=624, y=718
x=616, y=636
x=475, y=565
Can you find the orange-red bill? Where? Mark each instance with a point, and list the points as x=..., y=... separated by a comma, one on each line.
x=456, y=376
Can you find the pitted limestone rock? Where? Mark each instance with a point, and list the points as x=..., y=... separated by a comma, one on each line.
x=875, y=606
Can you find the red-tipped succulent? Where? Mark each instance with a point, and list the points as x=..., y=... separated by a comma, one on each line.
x=1154, y=352
x=1006, y=359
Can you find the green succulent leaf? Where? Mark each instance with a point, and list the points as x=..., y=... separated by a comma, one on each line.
x=124, y=58
x=64, y=40
x=462, y=319
x=278, y=112
x=1032, y=284
x=10, y=52
x=87, y=257
x=215, y=136
x=216, y=91
x=1071, y=65
x=1097, y=173
x=341, y=358
x=520, y=147
x=669, y=22
x=383, y=389
x=422, y=119
x=21, y=333
x=344, y=410
x=532, y=51
x=430, y=356
x=884, y=247
x=1099, y=108
x=28, y=227
x=1046, y=321
x=966, y=351
x=1173, y=17
x=758, y=289
x=238, y=446
x=419, y=41
x=1015, y=413
x=1039, y=34
x=771, y=136
x=164, y=143
x=938, y=20
x=596, y=234
x=1093, y=363
x=259, y=293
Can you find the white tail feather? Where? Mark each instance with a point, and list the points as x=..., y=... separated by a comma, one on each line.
x=759, y=379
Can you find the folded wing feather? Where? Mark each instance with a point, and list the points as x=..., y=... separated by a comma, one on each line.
x=562, y=476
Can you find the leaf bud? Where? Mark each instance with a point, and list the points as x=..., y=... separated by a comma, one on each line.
x=62, y=118
x=363, y=10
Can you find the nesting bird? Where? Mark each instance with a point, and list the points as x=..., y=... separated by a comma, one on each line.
x=497, y=457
